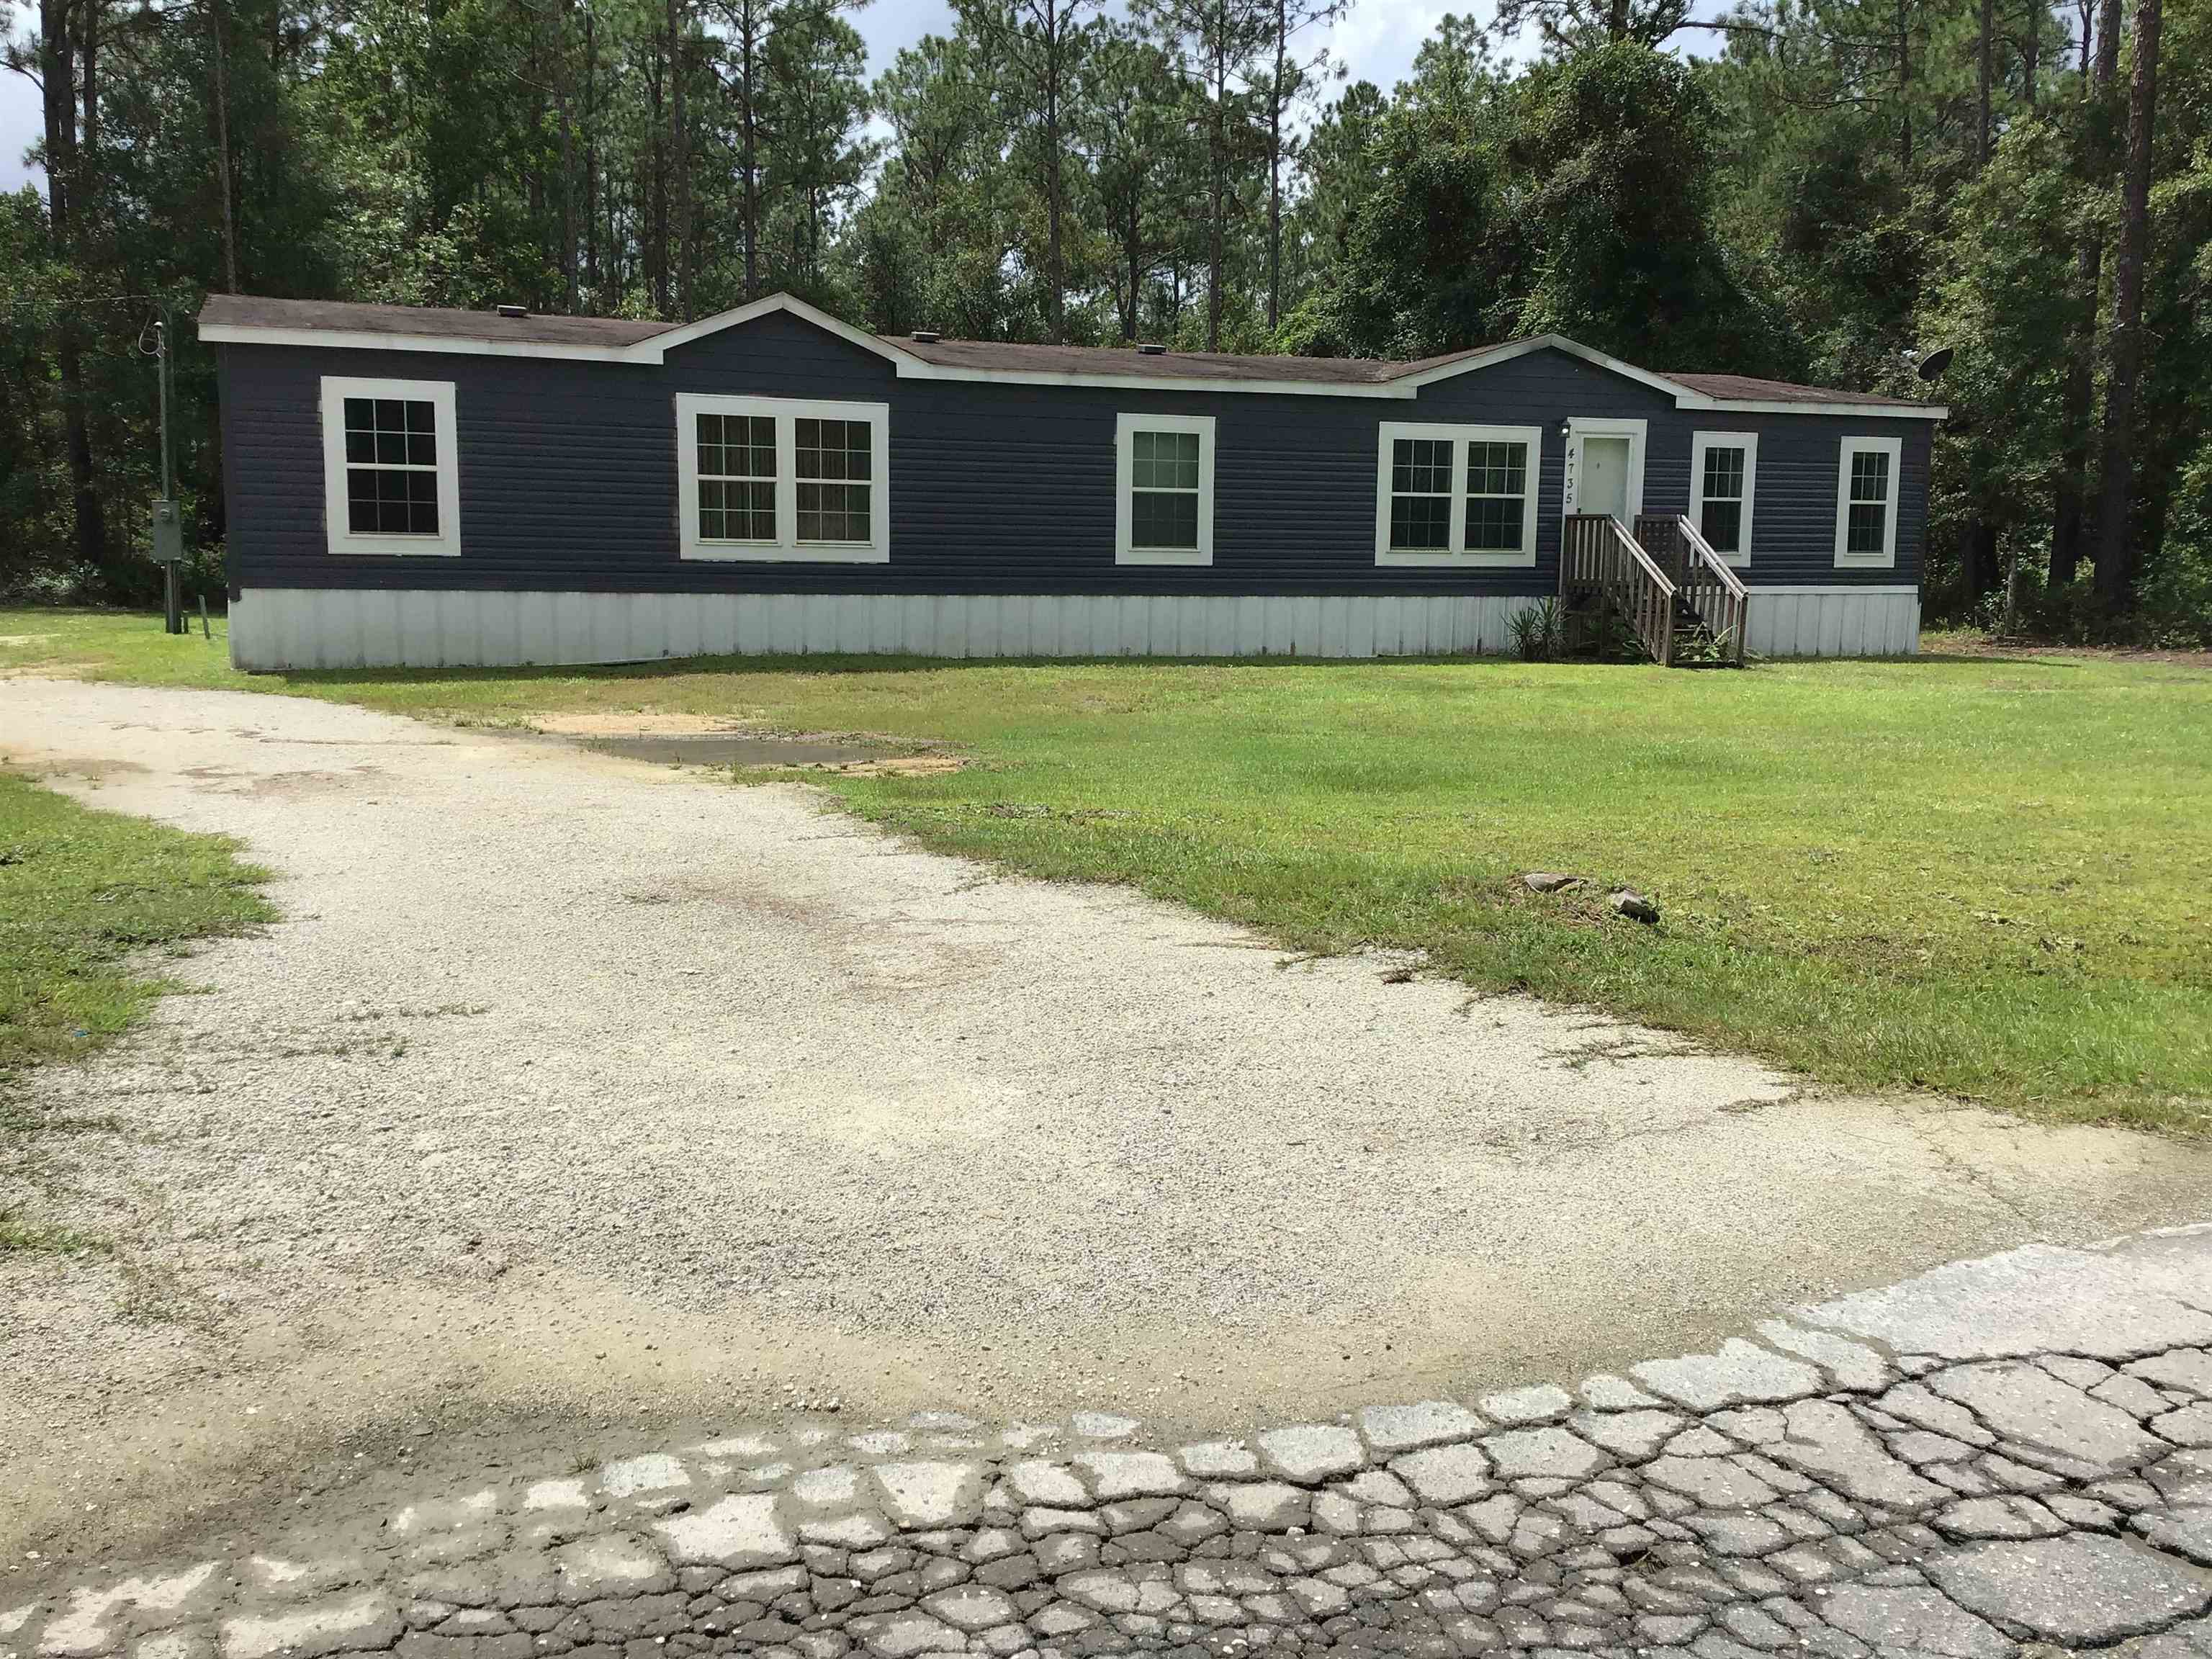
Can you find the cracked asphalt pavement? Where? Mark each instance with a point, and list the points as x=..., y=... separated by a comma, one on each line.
x=2002, y=1456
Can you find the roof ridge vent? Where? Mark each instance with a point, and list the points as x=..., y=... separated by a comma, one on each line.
x=512, y=312
x=926, y=335
x=1147, y=349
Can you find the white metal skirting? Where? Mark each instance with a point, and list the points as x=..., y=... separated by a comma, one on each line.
x=356, y=627
x=1834, y=622
x=363, y=628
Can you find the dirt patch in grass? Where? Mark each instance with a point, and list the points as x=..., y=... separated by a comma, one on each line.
x=646, y=723
x=1985, y=645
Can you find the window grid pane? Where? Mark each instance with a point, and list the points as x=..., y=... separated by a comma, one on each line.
x=737, y=477
x=1493, y=524
x=1867, y=528
x=1163, y=485
x=1496, y=469
x=833, y=450
x=392, y=466
x=1869, y=477
x=1721, y=523
x=391, y=501
x=1724, y=474
x=1496, y=496
x=1420, y=523
x=833, y=511
x=1163, y=460
x=1164, y=519
x=1420, y=494
x=1420, y=466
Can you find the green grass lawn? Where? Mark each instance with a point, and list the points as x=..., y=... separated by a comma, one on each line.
x=1988, y=876
x=83, y=894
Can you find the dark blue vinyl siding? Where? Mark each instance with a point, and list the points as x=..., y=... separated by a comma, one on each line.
x=568, y=480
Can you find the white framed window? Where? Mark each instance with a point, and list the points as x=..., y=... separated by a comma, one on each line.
x=1457, y=495
x=782, y=478
x=1164, y=490
x=1723, y=486
x=391, y=468
x=1865, y=502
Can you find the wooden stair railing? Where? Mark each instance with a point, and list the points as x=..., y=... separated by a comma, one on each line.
x=1714, y=593
x=1596, y=551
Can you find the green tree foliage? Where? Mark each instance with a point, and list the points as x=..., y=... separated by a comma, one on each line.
x=1425, y=250
x=1617, y=147
x=1847, y=186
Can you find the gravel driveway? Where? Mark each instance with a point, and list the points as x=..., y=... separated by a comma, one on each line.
x=569, y=1085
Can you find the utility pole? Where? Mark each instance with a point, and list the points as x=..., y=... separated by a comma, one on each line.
x=168, y=529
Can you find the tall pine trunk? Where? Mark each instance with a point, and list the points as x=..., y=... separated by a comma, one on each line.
x=2069, y=526
x=748, y=47
x=1217, y=193
x=68, y=204
x=679, y=153
x=592, y=159
x=1986, y=69
x=1905, y=88
x=217, y=27
x=1055, y=22
x=1275, y=96
x=2114, y=545
x=656, y=247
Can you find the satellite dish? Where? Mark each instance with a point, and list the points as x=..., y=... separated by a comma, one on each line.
x=1933, y=365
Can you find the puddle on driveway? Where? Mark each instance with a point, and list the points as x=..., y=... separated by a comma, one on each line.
x=732, y=749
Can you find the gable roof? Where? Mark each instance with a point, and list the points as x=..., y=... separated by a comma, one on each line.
x=1091, y=363
x=248, y=319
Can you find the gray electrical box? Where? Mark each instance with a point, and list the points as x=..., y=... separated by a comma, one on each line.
x=168, y=533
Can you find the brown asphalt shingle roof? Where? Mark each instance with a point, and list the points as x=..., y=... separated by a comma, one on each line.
x=1185, y=367
x=1745, y=388
x=1123, y=360
x=250, y=311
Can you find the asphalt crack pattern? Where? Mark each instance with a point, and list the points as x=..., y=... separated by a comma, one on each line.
x=1812, y=1493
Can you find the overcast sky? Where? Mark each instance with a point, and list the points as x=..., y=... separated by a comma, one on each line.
x=1378, y=40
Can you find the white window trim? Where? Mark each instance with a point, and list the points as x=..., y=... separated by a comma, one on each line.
x=1748, y=442
x=786, y=547
x=1886, y=559
x=1125, y=428
x=1389, y=433
x=439, y=394
x=1591, y=426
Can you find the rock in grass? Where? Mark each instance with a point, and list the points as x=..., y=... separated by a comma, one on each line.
x=1549, y=881
x=1635, y=906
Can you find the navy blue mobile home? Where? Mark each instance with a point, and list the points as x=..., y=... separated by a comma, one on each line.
x=444, y=486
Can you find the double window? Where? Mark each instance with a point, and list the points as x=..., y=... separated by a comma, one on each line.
x=390, y=475
x=1164, y=490
x=1865, y=502
x=1457, y=495
x=1723, y=484
x=775, y=478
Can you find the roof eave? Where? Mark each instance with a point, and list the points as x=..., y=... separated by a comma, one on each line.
x=459, y=345
x=654, y=348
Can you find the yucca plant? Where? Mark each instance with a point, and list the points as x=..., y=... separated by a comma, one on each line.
x=1535, y=629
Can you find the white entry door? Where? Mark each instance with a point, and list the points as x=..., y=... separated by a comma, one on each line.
x=1605, y=477
x=1605, y=469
